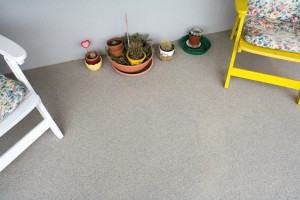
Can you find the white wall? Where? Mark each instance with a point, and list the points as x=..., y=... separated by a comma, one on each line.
x=51, y=30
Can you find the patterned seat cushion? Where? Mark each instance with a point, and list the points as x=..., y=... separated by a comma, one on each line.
x=273, y=24
x=11, y=94
x=273, y=34
x=285, y=10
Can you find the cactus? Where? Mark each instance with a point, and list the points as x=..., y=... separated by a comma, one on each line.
x=92, y=55
x=135, y=50
x=115, y=42
x=196, y=31
x=166, y=45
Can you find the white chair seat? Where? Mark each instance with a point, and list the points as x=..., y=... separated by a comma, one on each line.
x=30, y=101
x=12, y=92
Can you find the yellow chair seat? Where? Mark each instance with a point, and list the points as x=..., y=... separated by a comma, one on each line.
x=283, y=55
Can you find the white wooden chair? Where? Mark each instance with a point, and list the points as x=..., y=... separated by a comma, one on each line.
x=14, y=55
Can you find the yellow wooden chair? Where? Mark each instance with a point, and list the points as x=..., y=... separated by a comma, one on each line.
x=268, y=28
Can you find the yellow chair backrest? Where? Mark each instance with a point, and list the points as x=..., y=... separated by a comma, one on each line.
x=287, y=10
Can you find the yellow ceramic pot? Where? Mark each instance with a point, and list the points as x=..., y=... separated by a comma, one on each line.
x=136, y=62
x=94, y=67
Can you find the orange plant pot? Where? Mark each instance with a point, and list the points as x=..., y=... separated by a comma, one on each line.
x=117, y=47
x=194, y=40
x=92, y=61
x=116, y=53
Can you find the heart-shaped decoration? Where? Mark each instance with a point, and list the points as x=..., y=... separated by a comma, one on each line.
x=85, y=44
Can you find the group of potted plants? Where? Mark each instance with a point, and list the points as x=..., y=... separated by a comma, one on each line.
x=136, y=57
x=133, y=54
x=167, y=49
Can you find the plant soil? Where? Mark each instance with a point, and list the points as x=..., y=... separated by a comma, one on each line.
x=115, y=42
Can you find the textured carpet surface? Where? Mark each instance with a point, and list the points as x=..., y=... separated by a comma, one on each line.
x=172, y=133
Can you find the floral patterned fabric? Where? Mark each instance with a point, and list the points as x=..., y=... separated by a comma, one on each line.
x=274, y=34
x=11, y=94
x=273, y=24
x=286, y=10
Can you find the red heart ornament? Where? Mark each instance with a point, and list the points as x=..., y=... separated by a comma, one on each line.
x=85, y=44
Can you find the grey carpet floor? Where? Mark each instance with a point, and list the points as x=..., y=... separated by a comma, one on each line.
x=172, y=133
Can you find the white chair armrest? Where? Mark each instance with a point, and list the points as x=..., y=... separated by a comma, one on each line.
x=12, y=50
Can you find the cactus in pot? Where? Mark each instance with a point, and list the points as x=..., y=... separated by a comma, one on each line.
x=195, y=35
x=135, y=53
x=166, y=48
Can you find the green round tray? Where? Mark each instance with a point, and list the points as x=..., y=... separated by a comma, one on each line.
x=205, y=45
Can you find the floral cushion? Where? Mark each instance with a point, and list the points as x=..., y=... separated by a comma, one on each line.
x=11, y=94
x=272, y=33
x=286, y=10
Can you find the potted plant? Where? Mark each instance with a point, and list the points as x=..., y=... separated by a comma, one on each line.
x=123, y=64
x=92, y=57
x=115, y=46
x=93, y=60
x=136, y=46
x=195, y=35
x=166, y=48
x=135, y=53
x=115, y=43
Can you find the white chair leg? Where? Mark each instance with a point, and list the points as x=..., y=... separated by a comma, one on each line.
x=23, y=144
x=41, y=108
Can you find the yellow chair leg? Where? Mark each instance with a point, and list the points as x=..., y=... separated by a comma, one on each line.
x=239, y=50
x=233, y=56
x=234, y=29
x=298, y=98
x=240, y=20
x=227, y=80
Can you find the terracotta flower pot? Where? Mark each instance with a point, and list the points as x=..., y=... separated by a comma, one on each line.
x=194, y=40
x=115, y=47
x=143, y=71
x=116, y=53
x=92, y=61
x=130, y=68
